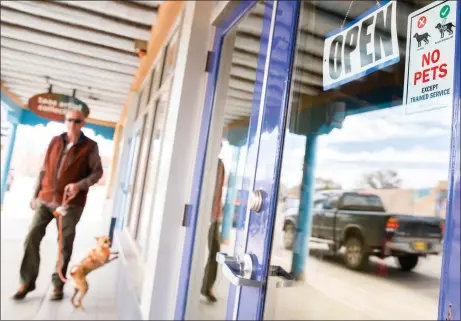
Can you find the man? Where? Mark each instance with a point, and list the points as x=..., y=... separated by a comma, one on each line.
x=72, y=164
x=211, y=268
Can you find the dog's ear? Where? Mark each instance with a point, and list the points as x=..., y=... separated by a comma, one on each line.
x=97, y=238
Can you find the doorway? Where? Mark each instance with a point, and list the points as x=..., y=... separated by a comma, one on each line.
x=343, y=192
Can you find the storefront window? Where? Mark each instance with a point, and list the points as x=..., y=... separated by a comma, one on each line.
x=133, y=172
x=370, y=248
x=139, y=105
x=149, y=85
x=170, y=59
x=137, y=189
x=160, y=86
x=150, y=174
x=157, y=73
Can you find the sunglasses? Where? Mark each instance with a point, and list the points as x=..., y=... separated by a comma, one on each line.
x=73, y=120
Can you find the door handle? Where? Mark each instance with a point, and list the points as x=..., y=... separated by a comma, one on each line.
x=238, y=272
x=288, y=279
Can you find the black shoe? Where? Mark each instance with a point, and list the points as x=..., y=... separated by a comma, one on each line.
x=57, y=294
x=24, y=289
x=210, y=297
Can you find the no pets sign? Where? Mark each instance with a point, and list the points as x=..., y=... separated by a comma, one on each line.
x=430, y=57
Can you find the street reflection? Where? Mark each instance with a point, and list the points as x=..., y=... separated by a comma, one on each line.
x=362, y=193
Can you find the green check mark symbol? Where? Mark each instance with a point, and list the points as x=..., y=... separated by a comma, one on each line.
x=444, y=11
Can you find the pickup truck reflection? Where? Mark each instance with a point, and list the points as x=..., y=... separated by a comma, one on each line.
x=359, y=223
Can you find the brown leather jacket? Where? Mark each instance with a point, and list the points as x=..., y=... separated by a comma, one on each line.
x=81, y=165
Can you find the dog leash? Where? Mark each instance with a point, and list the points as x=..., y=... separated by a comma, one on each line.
x=59, y=213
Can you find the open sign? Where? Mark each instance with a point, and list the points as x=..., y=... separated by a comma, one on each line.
x=364, y=45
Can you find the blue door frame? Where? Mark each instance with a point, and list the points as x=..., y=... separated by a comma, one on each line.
x=191, y=217
x=278, y=84
x=265, y=160
x=264, y=165
x=449, y=299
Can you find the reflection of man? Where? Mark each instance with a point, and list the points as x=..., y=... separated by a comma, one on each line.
x=211, y=268
x=72, y=164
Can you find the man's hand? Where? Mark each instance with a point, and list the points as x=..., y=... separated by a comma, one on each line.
x=71, y=190
x=33, y=203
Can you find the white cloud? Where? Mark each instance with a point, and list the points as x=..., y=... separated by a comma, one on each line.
x=391, y=123
x=389, y=154
x=347, y=168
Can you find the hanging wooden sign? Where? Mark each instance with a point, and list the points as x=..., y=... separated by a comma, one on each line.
x=55, y=106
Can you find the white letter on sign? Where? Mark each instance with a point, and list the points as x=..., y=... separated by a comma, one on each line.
x=367, y=44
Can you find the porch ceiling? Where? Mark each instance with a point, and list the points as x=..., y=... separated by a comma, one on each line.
x=83, y=45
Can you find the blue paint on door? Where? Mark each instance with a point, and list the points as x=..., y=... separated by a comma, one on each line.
x=275, y=106
x=449, y=300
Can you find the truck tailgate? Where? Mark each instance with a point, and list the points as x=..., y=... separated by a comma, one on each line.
x=419, y=226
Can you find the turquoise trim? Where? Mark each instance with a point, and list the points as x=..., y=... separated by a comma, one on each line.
x=19, y=115
x=14, y=110
x=301, y=245
x=9, y=156
x=237, y=136
x=229, y=207
x=31, y=119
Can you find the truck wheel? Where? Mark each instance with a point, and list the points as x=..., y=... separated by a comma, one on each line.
x=407, y=262
x=289, y=236
x=355, y=256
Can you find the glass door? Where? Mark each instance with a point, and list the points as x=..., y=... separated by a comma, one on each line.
x=237, y=97
x=349, y=197
x=339, y=210
x=133, y=169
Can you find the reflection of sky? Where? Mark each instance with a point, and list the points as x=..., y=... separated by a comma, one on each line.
x=416, y=146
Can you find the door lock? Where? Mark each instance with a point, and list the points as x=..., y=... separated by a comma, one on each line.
x=449, y=314
x=238, y=271
x=256, y=200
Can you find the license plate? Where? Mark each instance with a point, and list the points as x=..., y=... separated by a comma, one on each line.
x=420, y=246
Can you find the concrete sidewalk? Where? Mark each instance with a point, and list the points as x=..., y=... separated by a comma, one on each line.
x=99, y=303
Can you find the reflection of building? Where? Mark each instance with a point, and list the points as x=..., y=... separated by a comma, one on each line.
x=441, y=201
x=325, y=184
x=426, y=202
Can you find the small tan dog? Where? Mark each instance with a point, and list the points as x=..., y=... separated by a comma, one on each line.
x=98, y=257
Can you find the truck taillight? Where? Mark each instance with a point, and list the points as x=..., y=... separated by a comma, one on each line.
x=392, y=224
x=442, y=227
